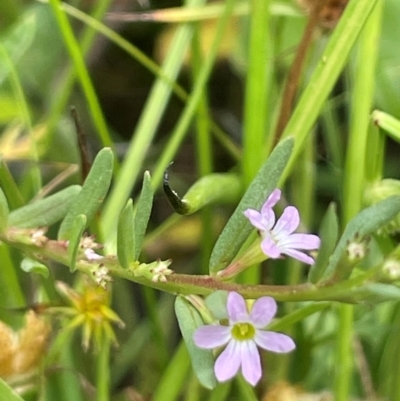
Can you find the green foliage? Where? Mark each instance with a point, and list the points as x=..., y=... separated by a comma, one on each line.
x=328, y=233
x=29, y=265
x=3, y=212
x=45, y=212
x=365, y=223
x=216, y=304
x=74, y=239
x=388, y=123
x=93, y=192
x=7, y=393
x=202, y=360
x=126, y=236
x=238, y=228
x=142, y=214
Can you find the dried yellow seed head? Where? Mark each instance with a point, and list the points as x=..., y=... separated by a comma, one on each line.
x=21, y=351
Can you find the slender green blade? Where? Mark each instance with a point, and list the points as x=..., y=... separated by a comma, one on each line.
x=126, y=236
x=44, y=212
x=7, y=393
x=238, y=228
x=366, y=222
x=74, y=239
x=329, y=234
x=4, y=211
x=202, y=360
x=142, y=214
x=93, y=192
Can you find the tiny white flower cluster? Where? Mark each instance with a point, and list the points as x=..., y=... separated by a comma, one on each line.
x=102, y=276
x=88, y=244
x=161, y=271
x=38, y=237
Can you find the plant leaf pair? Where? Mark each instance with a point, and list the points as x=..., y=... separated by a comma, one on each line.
x=132, y=225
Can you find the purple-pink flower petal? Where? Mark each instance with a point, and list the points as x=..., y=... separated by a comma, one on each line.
x=264, y=309
x=272, y=200
x=275, y=342
x=287, y=223
x=300, y=241
x=237, y=310
x=270, y=249
x=255, y=218
x=228, y=363
x=212, y=336
x=303, y=257
x=251, y=363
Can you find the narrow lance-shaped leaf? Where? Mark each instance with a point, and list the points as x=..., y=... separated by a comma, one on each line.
x=93, y=192
x=388, y=123
x=74, y=240
x=7, y=393
x=44, y=212
x=329, y=234
x=367, y=222
x=10, y=187
x=126, y=236
x=143, y=211
x=29, y=265
x=3, y=212
x=373, y=293
x=238, y=228
x=202, y=360
x=212, y=188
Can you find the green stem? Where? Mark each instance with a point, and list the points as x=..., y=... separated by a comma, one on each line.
x=202, y=285
x=256, y=95
x=25, y=115
x=103, y=371
x=204, y=154
x=85, y=81
x=325, y=75
x=59, y=103
x=354, y=179
x=344, y=353
x=173, y=379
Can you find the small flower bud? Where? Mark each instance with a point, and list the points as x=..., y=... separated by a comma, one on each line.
x=356, y=251
x=101, y=276
x=379, y=191
x=391, y=268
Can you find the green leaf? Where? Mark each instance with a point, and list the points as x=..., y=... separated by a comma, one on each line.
x=74, y=240
x=93, y=192
x=329, y=234
x=9, y=186
x=126, y=236
x=202, y=360
x=298, y=315
x=216, y=303
x=388, y=123
x=44, y=212
x=3, y=212
x=374, y=293
x=33, y=266
x=238, y=227
x=7, y=393
x=212, y=188
x=368, y=221
x=17, y=42
x=142, y=214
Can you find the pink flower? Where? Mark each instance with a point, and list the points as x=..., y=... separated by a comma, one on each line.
x=241, y=335
x=279, y=238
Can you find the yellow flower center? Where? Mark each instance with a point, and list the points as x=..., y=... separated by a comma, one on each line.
x=243, y=331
